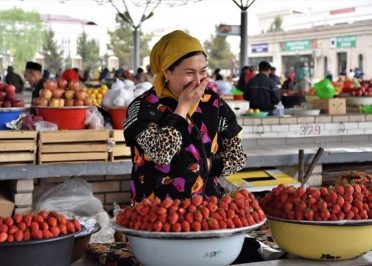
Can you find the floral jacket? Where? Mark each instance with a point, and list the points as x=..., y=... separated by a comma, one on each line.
x=169, y=153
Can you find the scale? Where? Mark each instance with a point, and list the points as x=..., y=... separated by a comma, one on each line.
x=257, y=180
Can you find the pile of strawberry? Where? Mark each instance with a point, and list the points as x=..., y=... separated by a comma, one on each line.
x=36, y=226
x=342, y=202
x=238, y=209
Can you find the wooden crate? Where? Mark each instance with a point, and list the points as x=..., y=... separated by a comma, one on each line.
x=18, y=147
x=73, y=146
x=120, y=152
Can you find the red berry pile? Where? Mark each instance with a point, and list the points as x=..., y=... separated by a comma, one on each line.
x=342, y=202
x=36, y=226
x=235, y=210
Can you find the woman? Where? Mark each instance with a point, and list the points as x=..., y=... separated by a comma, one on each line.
x=183, y=137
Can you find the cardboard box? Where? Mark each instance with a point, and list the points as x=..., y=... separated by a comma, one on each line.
x=334, y=106
x=6, y=206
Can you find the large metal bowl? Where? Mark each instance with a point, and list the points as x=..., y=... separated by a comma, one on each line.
x=213, y=247
x=56, y=251
x=338, y=240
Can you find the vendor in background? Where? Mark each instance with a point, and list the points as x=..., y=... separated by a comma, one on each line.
x=261, y=91
x=223, y=86
x=34, y=76
x=14, y=79
x=246, y=74
x=274, y=77
x=303, y=83
x=183, y=137
x=288, y=84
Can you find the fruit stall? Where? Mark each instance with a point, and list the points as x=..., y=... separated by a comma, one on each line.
x=30, y=158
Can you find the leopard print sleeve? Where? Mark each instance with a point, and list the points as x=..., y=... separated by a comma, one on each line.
x=160, y=144
x=233, y=156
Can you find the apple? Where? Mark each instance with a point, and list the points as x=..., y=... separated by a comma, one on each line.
x=43, y=102
x=61, y=83
x=54, y=102
x=19, y=103
x=88, y=102
x=11, y=97
x=50, y=84
x=45, y=93
x=74, y=85
x=58, y=93
x=2, y=95
x=69, y=102
x=79, y=102
x=10, y=89
x=6, y=104
x=353, y=93
x=69, y=94
x=81, y=94
x=61, y=102
x=2, y=85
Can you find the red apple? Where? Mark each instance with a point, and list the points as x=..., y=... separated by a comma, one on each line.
x=2, y=95
x=11, y=97
x=43, y=102
x=74, y=85
x=81, y=94
x=79, y=102
x=69, y=102
x=58, y=93
x=10, y=89
x=45, y=93
x=19, y=103
x=62, y=83
x=50, y=84
x=6, y=104
x=1, y=103
x=2, y=85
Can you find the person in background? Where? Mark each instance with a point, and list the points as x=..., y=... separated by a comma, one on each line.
x=183, y=137
x=14, y=79
x=140, y=76
x=289, y=83
x=149, y=77
x=46, y=74
x=329, y=75
x=70, y=74
x=223, y=87
x=303, y=83
x=261, y=91
x=34, y=77
x=242, y=82
x=274, y=77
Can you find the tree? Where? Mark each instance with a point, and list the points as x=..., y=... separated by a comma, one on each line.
x=121, y=43
x=219, y=52
x=21, y=34
x=52, y=54
x=276, y=25
x=88, y=50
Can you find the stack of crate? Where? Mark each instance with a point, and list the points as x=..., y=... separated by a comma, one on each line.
x=73, y=146
x=18, y=147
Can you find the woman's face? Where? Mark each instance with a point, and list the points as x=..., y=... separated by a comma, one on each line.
x=191, y=69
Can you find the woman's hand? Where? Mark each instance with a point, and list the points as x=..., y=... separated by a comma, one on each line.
x=191, y=94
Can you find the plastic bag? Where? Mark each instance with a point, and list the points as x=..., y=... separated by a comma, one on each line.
x=45, y=126
x=74, y=198
x=94, y=119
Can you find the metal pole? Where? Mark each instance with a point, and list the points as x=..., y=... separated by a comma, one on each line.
x=243, y=38
x=136, y=44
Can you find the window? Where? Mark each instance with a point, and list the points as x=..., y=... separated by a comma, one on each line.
x=360, y=62
x=325, y=69
x=342, y=63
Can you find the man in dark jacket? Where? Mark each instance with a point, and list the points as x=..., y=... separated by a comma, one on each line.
x=261, y=91
x=34, y=76
x=14, y=79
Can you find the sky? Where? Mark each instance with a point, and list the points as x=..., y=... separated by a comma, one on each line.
x=199, y=18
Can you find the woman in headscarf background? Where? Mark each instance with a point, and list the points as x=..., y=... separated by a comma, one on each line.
x=183, y=137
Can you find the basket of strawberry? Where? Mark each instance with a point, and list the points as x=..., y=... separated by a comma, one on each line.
x=192, y=231
x=326, y=223
x=44, y=238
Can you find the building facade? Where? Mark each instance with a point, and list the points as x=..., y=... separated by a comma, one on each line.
x=317, y=50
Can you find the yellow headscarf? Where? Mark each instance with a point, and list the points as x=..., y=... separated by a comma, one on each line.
x=165, y=52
